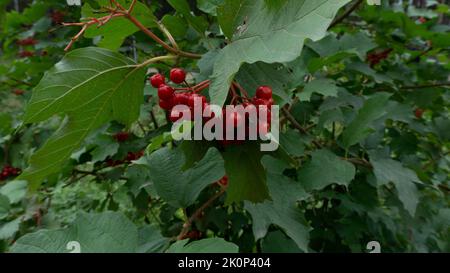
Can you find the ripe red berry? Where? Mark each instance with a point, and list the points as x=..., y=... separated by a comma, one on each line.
x=165, y=92
x=18, y=92
x=165, y=104
x=177, y=75
x=264, y=92
x=224, y=181
x=26, y=53
x=157, y=80
x=181, y=99
x=193, y=97
x=419, y=113
x=121, y=136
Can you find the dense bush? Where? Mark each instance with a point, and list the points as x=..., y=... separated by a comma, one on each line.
x=87, y=155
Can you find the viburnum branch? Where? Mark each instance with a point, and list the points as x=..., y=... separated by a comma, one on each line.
x=168, y=35
x=120, y=11
x=243, y=91
x=156, y=59
x=187, y=225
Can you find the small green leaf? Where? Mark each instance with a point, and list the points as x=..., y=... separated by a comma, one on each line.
x=15, y=190
x=282, y=210
x=325, y=168
x=387, y=170
x=360, y=127
x=181, y=187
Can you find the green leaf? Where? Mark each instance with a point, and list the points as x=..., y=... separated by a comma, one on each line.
x=274, y=75
x=210, y=245
x=151, y=240
x=114, y=33
x=209, y=6
x=282, y=210
x=246, y=176
x=267, y=34
x=180, y=187
x=91, y=86
x=326, y=87
x=4, y=206
x=8, y=230
x=387, y=170
x=106, y=232
x=360, y=127
x=197, y=22
x=325, y=168
x=277, y=242
x=15, y=190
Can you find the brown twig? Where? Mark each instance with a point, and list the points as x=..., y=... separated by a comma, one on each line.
x=426, y=85
x=345, y=14
x=187, y=225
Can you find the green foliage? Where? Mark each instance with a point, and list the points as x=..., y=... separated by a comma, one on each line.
x=364, y=134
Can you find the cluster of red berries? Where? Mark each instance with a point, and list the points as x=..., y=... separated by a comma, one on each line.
x=169, y=98
x=27, y=42
x=26, y=53
x=57, y=17
x=9, y=171
x=129, y=157
x=121, y=136
x=375, y=58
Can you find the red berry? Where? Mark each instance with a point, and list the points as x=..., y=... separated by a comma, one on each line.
x=192, y=98
x=264, y=92
x=419, y=113
x=26, y=53
x=122, y=136
x=224, y=181
x=181, y=99
x=165, y=92
x=177, y=75
x=157, y=80
x=258, y=101
x=165, y=104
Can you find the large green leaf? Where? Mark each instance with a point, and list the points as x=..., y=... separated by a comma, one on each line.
x=105, y=232
x=325, y=168
x=360, y=127
x=90, y=86
x=210, y=245
x=387, y=170
x=267, y=33
x=14, y=190
x=282, y=210
x=181, y=187
x=246, y=176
